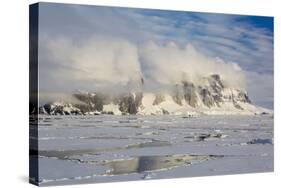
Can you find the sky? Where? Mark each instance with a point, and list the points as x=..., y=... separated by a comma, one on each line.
x=92, y=47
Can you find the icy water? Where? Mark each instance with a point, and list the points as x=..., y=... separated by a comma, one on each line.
x=88, y=149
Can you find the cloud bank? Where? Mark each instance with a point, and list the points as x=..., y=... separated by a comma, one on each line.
x=170, y=64
x=118, y=64
x=99, y=60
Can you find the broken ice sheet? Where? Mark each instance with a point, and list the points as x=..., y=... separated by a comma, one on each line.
x=100, y=149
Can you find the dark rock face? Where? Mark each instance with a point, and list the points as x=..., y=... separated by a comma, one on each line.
x=243, y=97
x=92, y=102
x=237, y=106
x=212, y=93
x=165, y=112
x=47, y=108
x=177, y=95
x=158, y=99
x=216, y=81
x=99, y=100
x=84, y=108
x=59, y=109
x=207, y=98
x=216, y=87
x=129, y=103
x=86, y=102
x=189, y=92
x=240, y=97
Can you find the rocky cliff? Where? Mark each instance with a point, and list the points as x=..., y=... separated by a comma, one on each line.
x=211, y=96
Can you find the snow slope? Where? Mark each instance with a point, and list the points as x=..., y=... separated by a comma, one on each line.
x=211, y=97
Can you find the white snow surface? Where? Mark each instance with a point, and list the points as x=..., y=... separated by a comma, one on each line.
x=112, y=108
x=169, y=105
x=104, y=148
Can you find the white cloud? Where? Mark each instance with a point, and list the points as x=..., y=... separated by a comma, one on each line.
x=170, y=64
x=213, y=35
x=100, y=60
x=112, y=63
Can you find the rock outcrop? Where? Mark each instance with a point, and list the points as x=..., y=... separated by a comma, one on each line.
x=212, y=94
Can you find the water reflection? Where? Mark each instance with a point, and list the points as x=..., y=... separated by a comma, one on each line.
x=151, y=163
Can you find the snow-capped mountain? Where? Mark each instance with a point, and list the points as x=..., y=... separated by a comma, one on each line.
x=210, y=97
x=61, y=108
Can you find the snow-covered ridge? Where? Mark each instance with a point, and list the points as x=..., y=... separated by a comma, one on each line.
x=210, y=98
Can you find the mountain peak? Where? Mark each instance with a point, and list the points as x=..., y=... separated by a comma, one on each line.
x=210, y=97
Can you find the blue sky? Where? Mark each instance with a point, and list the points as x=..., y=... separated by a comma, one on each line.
x=243, y=40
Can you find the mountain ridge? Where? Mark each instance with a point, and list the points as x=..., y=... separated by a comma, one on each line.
x=186, y=98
